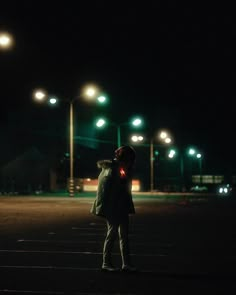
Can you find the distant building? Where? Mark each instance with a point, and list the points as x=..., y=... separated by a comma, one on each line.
x=26, y=173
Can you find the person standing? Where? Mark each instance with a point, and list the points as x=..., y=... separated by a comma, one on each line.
x=114, y=203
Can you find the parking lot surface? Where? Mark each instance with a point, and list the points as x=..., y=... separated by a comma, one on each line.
x=54, y=246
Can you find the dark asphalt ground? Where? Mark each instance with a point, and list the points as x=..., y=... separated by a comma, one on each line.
x=54, y=246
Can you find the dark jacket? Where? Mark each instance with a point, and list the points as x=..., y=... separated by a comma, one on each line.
x=114, y=197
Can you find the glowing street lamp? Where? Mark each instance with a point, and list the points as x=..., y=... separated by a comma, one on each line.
x=40, y=95
x=6, y=40
x=137, y=138
x=89, y=92
x=101, y=122
x=199, y=157
x=164, y=138
x=192, y=152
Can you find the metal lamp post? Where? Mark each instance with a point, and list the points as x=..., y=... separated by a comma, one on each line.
x=199, y=157
x=196, y=154
x=192, y=153
x=165, y=138
x=71, y=180
x=89, y=91
x=151, y=166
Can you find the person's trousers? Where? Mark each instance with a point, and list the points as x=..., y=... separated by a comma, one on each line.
x=117, y=229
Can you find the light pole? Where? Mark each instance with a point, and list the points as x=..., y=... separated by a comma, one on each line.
x=90, y=91
x=71, y=180
x=199, y=157
x=101, y=122
x=165, y=138
x=151, y=166
x=192, y=153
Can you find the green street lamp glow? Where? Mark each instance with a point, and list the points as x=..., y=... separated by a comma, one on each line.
x=136, y=122
x=199, y=156
x=171, y=153
x=100, y=123
x=165, y=139
x=102, y=99
x=156, y=152
x=191, y=151
x=53, y=100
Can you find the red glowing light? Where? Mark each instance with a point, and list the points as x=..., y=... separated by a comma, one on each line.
x=122, y=172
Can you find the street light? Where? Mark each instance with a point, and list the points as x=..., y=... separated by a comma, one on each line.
x=101, y=122
x=164, y=138
x=199, y=156
x=192, y=153
x=6, y=40
x=90, y=92
x=136, y=138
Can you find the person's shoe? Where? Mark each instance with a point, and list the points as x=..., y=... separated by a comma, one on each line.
x=129, y=268
x=108, y=268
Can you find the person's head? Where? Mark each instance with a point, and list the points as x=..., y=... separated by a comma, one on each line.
x=126, y=155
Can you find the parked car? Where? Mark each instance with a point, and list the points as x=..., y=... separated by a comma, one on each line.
x=224, y=190
x=199, y=189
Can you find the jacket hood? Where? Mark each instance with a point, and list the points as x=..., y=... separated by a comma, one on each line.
x=104, y=164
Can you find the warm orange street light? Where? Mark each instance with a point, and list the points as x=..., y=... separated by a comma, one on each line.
x=6, y=41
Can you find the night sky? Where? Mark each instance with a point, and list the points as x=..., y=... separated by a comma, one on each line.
x=173, y=64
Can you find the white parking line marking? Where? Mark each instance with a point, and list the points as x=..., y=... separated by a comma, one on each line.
x=56, y=241
x=13, y=291
x=50, y=267
x=76, y=252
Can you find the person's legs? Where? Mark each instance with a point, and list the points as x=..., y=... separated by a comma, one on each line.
x=112, y=232
x=124, y=245
x=124, y=241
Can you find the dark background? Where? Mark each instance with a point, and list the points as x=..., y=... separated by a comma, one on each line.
x=173, y=64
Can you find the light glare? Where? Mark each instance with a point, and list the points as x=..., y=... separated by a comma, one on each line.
x=101, y=99
x=100, y=123
x=90, y=91
x=163, y=135
x=191, y=151
x=53, y=100
x=137, y=122
x=136, y=138
x=39, y=95
x=171, y=154
x=6, y=40
x=168, y=140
